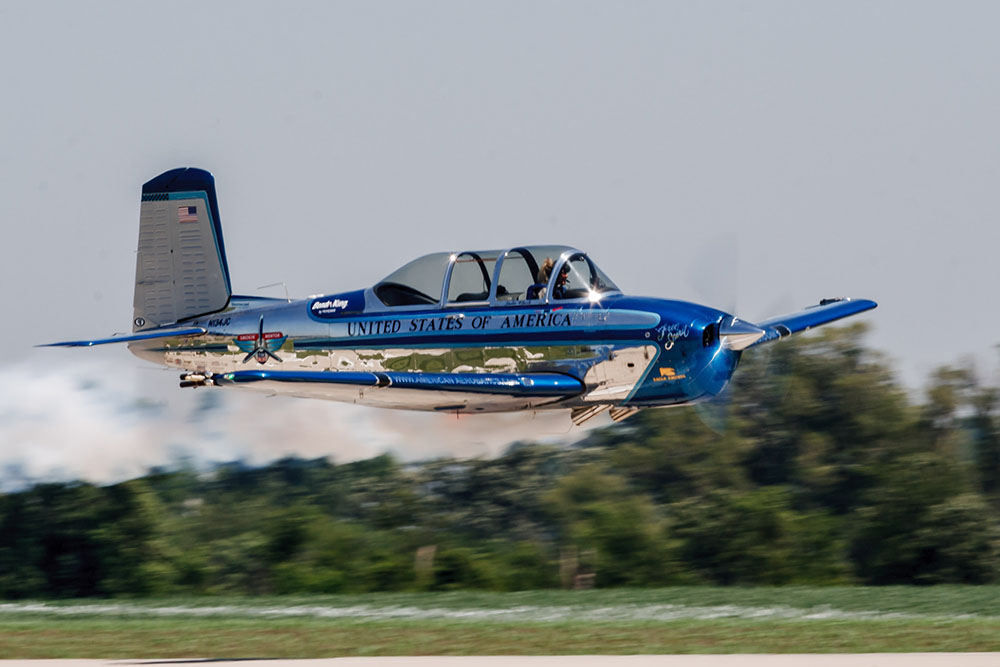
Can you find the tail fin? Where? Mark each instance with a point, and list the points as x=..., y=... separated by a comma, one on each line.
x=181, y=268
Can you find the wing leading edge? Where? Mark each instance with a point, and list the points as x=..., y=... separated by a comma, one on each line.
x=826, y=311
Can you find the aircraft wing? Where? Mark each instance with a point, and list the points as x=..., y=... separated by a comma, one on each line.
x=528, y=385
x=826, y=311
x=145, y=335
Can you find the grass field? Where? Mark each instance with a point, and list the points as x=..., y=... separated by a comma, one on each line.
x=677, y=620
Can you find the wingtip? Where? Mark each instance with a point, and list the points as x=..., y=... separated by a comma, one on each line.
x=868, y=303
x=125, y=338
x=67, y=343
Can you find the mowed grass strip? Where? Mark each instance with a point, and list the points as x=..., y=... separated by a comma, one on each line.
x=307, y=638
x=941, y=618
x=938, y=601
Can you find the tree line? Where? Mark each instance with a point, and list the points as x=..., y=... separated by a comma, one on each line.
x=823, y=470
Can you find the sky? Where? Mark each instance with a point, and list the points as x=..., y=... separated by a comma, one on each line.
x=756, y=156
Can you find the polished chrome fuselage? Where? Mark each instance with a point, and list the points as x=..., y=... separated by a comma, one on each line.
x=526, y=327
x=627, y=351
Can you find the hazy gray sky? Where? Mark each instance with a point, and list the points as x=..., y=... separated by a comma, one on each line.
x=757, y=154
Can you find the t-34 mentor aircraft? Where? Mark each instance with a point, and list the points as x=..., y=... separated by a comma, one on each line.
x=523, y=328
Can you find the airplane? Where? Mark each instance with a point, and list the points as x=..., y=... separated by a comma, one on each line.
x=536, y=327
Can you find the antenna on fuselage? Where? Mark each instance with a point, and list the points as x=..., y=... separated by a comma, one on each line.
x=287, y=298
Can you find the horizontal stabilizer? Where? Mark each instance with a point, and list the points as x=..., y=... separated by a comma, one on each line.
x=507, y=384
x=146, y=335
x=828, y=310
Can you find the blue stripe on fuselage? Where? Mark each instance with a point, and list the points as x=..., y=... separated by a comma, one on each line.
x=485, y=328
x=427, y=341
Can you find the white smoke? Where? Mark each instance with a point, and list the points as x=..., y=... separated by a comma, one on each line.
x=103, y=420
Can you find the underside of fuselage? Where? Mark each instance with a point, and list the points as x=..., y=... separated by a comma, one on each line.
x=609, y=373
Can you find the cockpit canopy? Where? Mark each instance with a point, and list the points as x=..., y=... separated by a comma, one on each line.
x=526, y=274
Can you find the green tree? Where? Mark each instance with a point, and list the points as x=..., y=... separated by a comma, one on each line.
x=922, y=526
x=462, y=568
x=129, y=544
x=984, y=426
x=841, y=416
x=730, y=537
x=597, y=511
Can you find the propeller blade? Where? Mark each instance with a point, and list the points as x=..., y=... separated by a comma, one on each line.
x=714, y=278
x=714, y=413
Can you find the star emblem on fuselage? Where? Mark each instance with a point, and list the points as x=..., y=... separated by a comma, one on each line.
x=260, y=345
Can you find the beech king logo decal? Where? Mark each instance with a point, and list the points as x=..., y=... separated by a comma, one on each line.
x=329, y=306
x=332, y=307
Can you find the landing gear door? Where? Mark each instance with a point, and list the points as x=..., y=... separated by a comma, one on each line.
x=613, y=379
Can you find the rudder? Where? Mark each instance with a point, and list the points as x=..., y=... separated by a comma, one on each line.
x=181, y=269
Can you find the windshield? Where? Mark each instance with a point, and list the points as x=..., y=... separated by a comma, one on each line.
x=579, y=277
x=415, y=284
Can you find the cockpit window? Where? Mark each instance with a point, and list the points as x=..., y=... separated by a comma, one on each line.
x=518, y=275
x=471, y=277
x=579, y=277
x=524, y=274
x=415, y=284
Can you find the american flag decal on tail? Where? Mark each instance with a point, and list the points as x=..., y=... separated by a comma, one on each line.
x=187, y=214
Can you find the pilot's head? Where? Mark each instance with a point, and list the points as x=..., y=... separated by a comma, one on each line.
x=563, y=276
x=545, y=270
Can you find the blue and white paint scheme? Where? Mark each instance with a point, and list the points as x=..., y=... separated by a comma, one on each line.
x=521, y=328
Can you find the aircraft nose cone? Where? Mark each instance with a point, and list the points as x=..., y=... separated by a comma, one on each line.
x=736, y=334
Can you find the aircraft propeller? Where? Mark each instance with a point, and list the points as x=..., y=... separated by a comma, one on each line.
x=769, y=372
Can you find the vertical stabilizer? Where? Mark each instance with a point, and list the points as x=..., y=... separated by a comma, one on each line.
x=181, y=268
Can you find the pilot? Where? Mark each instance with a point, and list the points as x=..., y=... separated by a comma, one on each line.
x=559, y=289
x=541, y=280
x=545, y=271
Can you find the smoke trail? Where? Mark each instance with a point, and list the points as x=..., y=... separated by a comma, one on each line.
x=105, y=420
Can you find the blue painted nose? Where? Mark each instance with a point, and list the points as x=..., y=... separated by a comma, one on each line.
x=715, y=374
